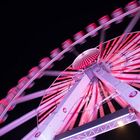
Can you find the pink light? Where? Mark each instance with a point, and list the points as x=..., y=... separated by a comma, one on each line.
x=33, y=71
x=117, y=46
x=66, y=44
x=55, y=52
x=117, y=13
x=90, y=28
x=130, y=6
x=103, y=20
x=85, y=59
x=22, y=82
x=13, y=91
x=131, y=45
x=44, y=61
x=78, y=36
x=2, y=120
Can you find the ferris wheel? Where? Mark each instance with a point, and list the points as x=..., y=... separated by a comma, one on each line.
x=73, y=106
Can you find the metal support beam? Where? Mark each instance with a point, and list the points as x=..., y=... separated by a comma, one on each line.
x=54, y=123
x=99, y=126
x=23, y=119
x=31, y=96
x=127, y=92
x=57, y=73
x=18, y=122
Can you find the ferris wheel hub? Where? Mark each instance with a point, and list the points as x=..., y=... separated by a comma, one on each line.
x=86, y=58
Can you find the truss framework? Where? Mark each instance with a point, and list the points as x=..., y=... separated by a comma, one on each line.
x=99, y=126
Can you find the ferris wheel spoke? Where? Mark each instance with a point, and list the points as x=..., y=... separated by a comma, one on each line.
x=129, y=81
x=134, y=57
x=116, y=84
x=48, y=107
x=107, y=47
x=29, y=97
x=128, y=69
x=130, y=37
x=18, y=122
x=85, y=113
x=137, y=85
x=59, y=87
x=51, y=98
x=90, y=110
x=57, y=73
x=113, y=42
x=65, y=82
x=45, y=93
x=127, y=30
x=92, y=106
x=128, y=66
x=105, y=92
x=52, y=102
x=71, y=119
x=101, y=111
x=71, y=123
x=100, y=98
x=101, y=44
x=114, y=95
x=127, y=46
x=127, y=76
x=44, y=115
x=133, y=53
x=105, y=96
x=126, y=59
x=131, y=45
x=135, y=71
x=54, y=95
x=121, y=102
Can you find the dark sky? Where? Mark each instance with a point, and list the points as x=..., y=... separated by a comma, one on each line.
x=29, y=31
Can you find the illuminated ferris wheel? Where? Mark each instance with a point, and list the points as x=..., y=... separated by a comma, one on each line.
x=73, y=106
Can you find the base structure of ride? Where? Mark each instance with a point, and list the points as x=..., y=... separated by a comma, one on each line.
x=73, y=107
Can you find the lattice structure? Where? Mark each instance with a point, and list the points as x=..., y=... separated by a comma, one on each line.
x=102, y=125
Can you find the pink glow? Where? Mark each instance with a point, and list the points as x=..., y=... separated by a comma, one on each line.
x=132, y=5
x=117, y=13
x=22, y=82
x=44, y=61
x=90, y=28
x=103, y=20
x=66, y=43
x=55, y=53
x=33, y=71
x=85, y=59
x=78, y=36
x=117, y=47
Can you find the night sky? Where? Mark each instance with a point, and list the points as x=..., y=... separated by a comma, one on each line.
x=29, y=31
